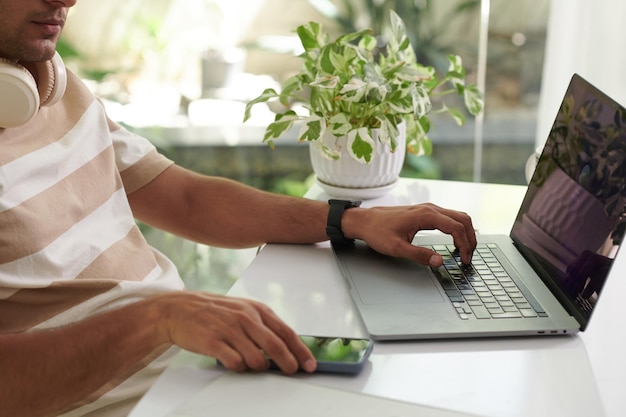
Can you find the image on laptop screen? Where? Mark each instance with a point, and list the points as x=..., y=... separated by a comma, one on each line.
x=574, y=223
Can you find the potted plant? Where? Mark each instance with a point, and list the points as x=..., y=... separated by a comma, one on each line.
x=360, y=94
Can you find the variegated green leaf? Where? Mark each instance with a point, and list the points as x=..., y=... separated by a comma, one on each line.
x=281, y=124
x=265, y=96
x=313, y=129
x=326, y=81
x=310, y=35
x=326, y=152
x=360, y=145
x=473, y=100
x=388, y=133
x=340, y=124
x=421, y=100
x=354, y=90
x=458, y=117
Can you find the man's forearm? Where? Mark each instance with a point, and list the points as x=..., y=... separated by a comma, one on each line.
x=221, y=212
x=47, y=371
x=284, y=219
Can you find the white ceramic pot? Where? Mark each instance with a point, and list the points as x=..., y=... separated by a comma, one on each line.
x=347, y=177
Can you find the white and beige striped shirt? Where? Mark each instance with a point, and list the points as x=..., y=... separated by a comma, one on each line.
x=69, y=245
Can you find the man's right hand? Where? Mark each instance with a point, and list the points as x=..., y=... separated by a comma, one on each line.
x=236, y=331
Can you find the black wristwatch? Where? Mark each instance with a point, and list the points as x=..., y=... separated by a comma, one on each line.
x=333, y=224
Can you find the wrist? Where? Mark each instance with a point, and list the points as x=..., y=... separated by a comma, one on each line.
x=352, y=222
x=161, y=311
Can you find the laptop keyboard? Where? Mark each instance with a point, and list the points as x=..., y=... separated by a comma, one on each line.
x=483, y=289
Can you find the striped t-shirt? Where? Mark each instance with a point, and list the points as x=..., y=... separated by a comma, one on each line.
x=69, y=245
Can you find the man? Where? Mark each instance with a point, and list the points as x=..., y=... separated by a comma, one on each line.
x=87, y=308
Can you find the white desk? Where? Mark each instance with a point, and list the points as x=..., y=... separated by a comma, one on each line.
x=583, y=375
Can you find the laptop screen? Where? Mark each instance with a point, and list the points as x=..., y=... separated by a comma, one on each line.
x=572, y=223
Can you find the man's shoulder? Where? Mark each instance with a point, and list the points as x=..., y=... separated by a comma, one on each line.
x=77, y=93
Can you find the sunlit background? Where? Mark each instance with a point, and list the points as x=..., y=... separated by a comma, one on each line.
x=180, y=71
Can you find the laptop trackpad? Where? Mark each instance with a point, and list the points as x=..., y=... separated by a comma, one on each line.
x=380, y=279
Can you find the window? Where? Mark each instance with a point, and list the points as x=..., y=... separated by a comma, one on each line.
x=179, y=71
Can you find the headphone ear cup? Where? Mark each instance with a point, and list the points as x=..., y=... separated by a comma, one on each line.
x=19, y=96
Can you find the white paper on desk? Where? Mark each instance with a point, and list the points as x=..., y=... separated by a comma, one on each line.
x=266, y=394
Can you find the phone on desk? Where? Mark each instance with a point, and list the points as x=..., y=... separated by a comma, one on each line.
x=338, y=354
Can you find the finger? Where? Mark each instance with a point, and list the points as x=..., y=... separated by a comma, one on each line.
x=256, y=336
x=466, y=221
x=252, y=356
x=286, y=349
x=466, y=242
x=234, y=349
x=459, y=226
x=304, y=357
x=428, y=257
x=221, y=327
x=231, y=359
x=405, y=249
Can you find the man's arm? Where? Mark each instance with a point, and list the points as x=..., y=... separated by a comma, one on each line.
x=79, y=359
x=221, y=212
x=46, y=371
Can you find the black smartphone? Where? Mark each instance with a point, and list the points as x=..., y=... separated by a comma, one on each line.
x=338, y=354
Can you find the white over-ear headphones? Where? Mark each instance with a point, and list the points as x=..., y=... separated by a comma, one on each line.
x=23, y=92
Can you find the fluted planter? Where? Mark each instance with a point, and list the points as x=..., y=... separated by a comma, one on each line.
x=346, y=177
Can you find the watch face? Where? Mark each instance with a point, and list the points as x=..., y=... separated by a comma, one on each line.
x=345, y=203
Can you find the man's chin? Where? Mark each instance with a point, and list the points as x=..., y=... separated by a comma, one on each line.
x=41, y=51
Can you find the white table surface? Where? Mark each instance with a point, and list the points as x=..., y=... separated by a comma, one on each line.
x=582, y=375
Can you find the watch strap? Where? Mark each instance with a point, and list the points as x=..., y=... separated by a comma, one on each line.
x=333, y=223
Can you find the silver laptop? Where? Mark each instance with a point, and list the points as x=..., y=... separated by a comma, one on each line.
x=546, y=276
